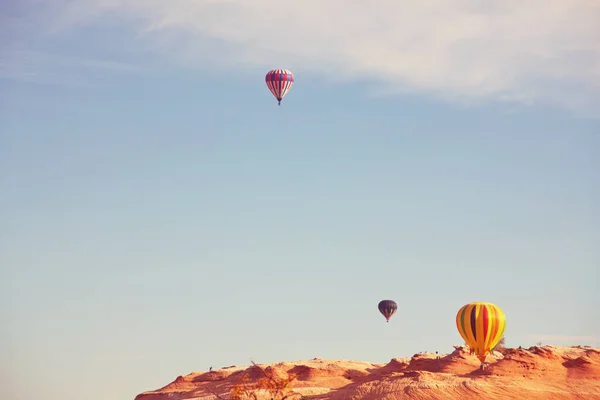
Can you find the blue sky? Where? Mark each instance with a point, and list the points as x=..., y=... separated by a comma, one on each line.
x=161, y=215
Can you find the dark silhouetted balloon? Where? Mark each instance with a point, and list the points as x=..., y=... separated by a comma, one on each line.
x=387, y=308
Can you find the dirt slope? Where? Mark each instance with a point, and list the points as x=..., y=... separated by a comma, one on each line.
x=548, y=373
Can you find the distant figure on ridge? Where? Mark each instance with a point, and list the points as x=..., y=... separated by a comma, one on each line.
x=210, y=369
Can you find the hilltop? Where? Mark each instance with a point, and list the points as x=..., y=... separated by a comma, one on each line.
x=548, y=373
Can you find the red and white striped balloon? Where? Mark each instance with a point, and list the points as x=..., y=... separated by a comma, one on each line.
x=279, y=81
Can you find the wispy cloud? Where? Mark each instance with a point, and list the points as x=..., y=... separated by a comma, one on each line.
x=532, y=51
x=53, y=68
x=122, y=357
x=549, y=339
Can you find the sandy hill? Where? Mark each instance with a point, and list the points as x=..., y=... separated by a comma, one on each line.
x=546, y=373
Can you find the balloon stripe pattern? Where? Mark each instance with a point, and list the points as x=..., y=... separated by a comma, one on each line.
x=482, y=326
x=279, y=82
x=387, y=308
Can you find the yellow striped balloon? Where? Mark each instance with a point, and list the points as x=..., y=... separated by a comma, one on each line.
x=482, y=326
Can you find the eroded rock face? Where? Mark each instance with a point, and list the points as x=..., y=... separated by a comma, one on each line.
x=536, y=373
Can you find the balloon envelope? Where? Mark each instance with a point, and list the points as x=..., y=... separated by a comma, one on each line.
x=481, y=325
x=279, y=81
x=387, y=308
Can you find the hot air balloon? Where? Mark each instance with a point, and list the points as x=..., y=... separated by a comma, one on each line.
x=482, y=326
x=279, y=82
x=387, y=308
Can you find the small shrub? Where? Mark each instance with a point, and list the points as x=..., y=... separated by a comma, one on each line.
x=501, y=346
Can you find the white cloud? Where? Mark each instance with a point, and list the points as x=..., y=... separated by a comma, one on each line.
x=544, y=51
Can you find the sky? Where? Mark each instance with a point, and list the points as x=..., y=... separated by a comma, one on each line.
x=162, y=215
